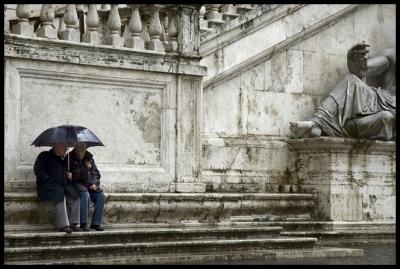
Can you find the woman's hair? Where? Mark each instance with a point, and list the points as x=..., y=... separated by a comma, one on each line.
x=81, y=145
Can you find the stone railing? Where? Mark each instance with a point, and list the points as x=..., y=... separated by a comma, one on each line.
x=212, y=15
x=159, y=28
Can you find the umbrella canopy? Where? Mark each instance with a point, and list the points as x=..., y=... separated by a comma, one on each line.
x=69, y=134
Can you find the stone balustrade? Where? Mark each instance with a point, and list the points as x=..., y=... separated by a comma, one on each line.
x=213, y=15
x=140, y=27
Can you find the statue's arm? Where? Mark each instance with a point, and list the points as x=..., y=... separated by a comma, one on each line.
x=377, y=65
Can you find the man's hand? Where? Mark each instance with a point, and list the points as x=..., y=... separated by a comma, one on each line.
x=93, y=187
x=357, y=59
x=69, y=175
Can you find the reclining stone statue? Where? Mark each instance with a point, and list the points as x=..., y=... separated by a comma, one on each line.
x=354, y=108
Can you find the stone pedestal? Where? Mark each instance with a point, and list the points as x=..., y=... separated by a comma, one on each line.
x=23, y=28
x=47, y=31
x=135, y=42
x=70, y=34
x=155, y=45
x=91, y=37
x=115, y=41
x=354, y=179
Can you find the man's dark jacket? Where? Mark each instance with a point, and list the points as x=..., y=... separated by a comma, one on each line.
x=50, y=172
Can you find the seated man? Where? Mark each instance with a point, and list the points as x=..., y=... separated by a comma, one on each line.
x=50, y=170
x=86, y=178
x=355, y=109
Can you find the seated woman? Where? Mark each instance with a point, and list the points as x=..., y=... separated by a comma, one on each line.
x=86, y=178
x=355, y=109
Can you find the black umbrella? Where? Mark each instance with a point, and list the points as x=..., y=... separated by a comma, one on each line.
x=69, y=134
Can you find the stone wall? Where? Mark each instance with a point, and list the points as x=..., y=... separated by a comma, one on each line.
x=278, y=82
x=144, y=105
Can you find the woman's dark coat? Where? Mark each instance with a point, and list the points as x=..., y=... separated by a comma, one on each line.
x=51, y=180
x=83, y=177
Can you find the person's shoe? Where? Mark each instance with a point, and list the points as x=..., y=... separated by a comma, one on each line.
x=84, y=227
x=75, y=227
x=97, y=227
x=66, y=229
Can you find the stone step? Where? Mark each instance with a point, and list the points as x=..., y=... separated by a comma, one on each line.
x=347, y=237
x=271, y=218
x=310, y=225
x=25, y=208
x=153, y=248
x=332, y=233
x=206, y=258
x=136, y=235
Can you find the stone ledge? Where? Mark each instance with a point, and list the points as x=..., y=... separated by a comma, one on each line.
x=19, y=197
x=25, y=208
x=341, y=144
x=100, y=55
x=154, y=248
x=222, y=256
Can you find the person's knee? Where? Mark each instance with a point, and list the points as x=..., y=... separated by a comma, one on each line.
x=101, y=196
x=84, y=195
x=387, y=116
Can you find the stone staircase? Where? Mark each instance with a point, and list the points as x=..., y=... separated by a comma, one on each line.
x=328, y=233
x=161, y=244
x=201, y=228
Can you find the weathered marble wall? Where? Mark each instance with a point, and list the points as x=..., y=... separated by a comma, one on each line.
x=283, y=82
x=148, y=118
x=247, y=164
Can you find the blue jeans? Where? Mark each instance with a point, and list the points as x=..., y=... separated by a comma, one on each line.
x=98, y=199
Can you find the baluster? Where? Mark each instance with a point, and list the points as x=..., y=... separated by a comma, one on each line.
x=23, y=27
x=213, y=16
x=203, y=22
x=228, y=12
x=173, y=32
x=61, y=27
x=135, y=28
x=163, y=38
x=114, y=25
x=70, y=18
x=155, y=30
x=92, y=22
x=47, y=29
x=166, y=25
x=145, y=30
x=125, y=25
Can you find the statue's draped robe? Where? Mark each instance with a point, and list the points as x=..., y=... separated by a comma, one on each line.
x=372, y=110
